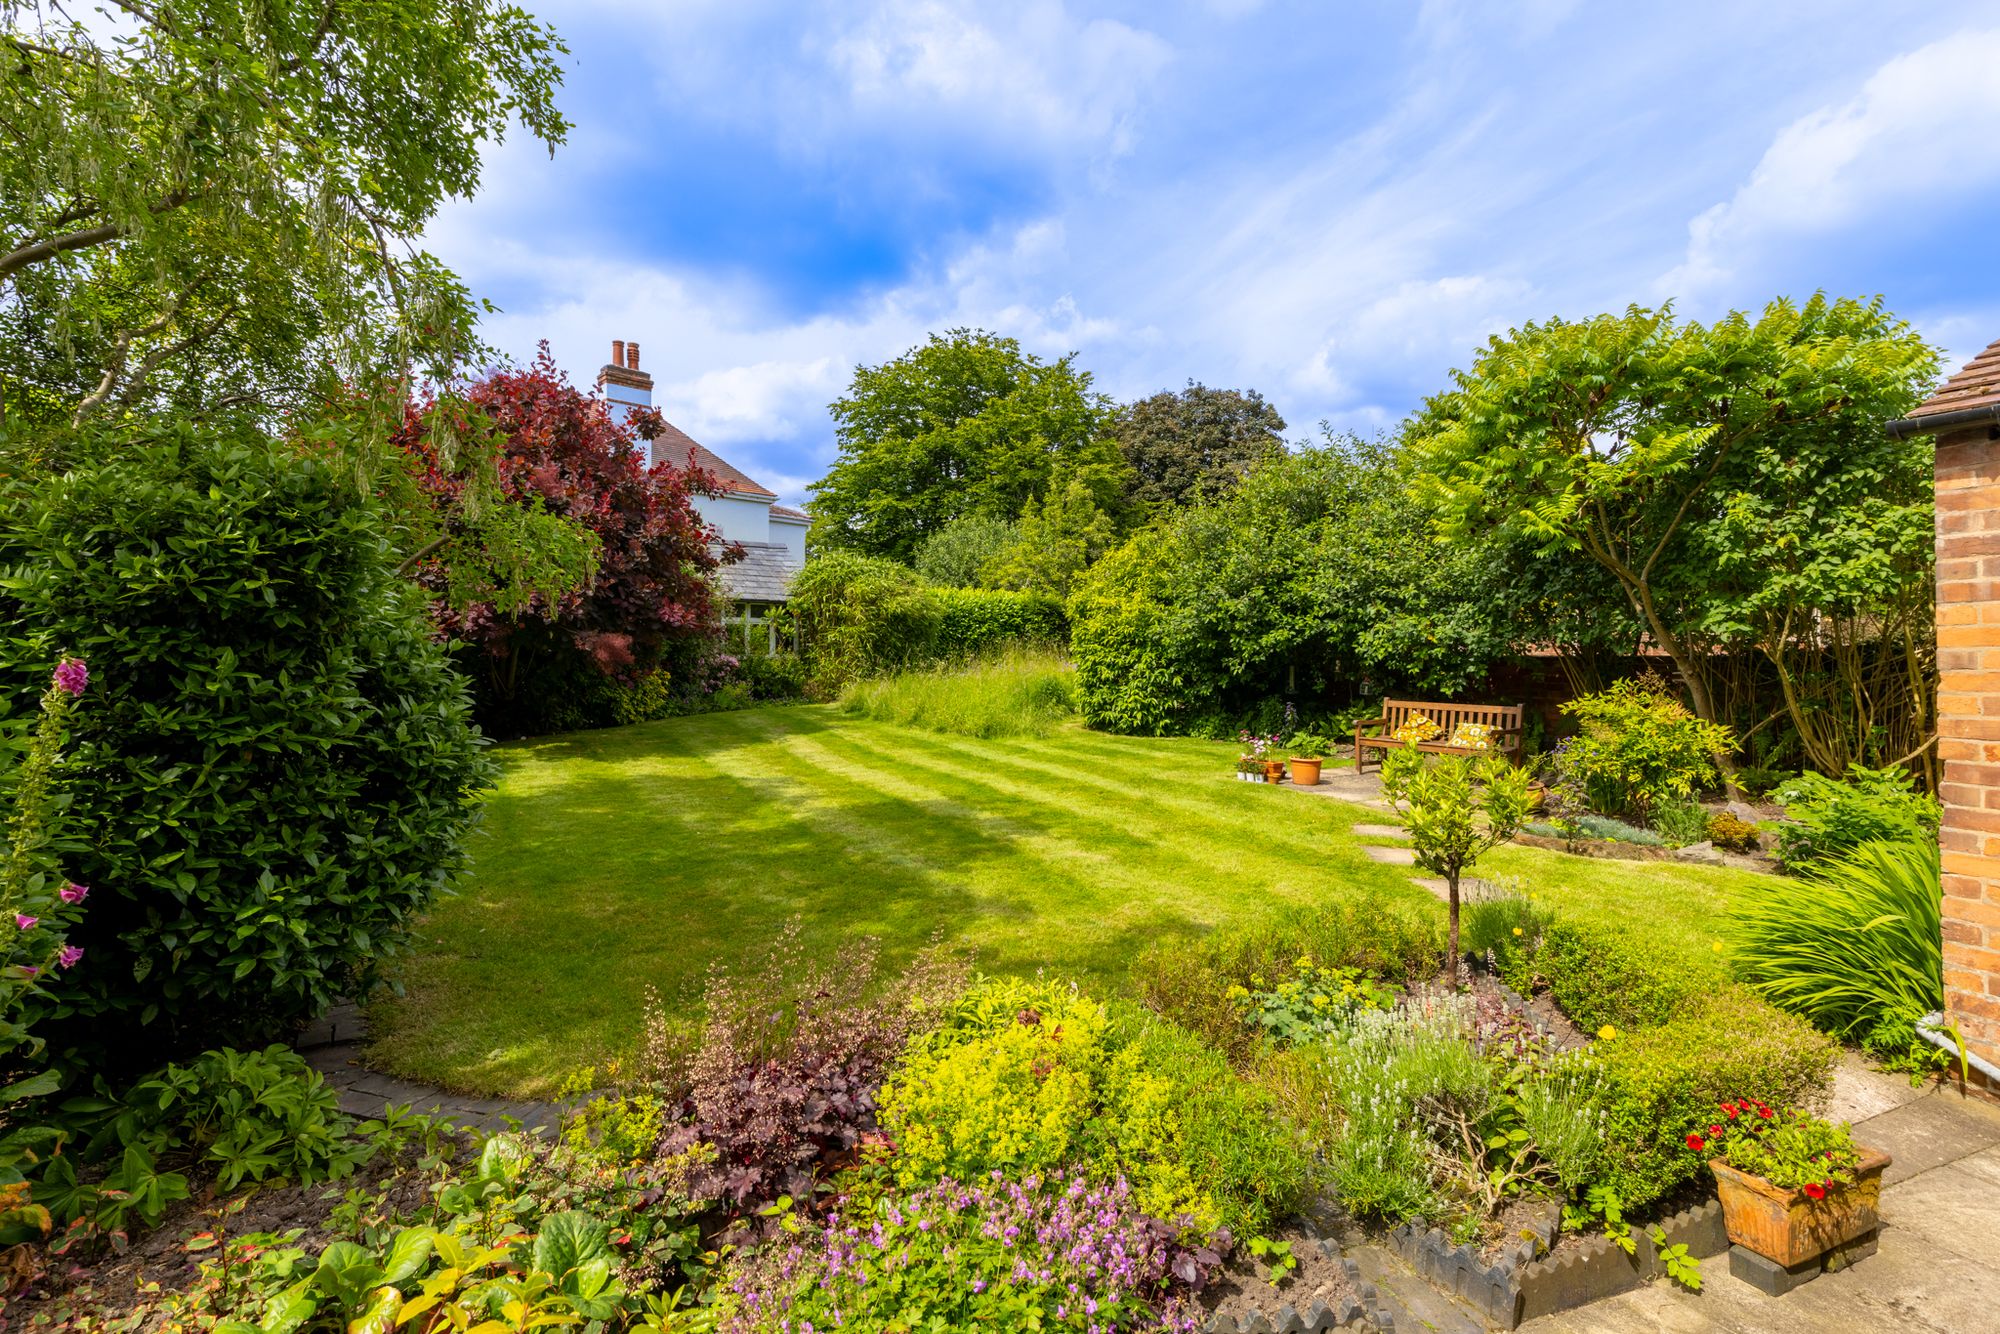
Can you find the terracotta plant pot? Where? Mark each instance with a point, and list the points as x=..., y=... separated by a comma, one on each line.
x=1306, y=772
x=1274, y=771
x=1790, y=1227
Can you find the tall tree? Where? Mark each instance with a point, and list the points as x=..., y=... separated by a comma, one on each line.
x=207, y=204
x=966, y=424
x=1060, y=537
x=1618, y=437
x=1196, y=444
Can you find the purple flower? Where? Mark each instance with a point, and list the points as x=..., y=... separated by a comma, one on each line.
x=29, y=970
x=72, y=675
x=74, y=893
x=69, y=955
x=25, y=922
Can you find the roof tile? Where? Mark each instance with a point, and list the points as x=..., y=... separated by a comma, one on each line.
x=675, y=446
x=1977, y=385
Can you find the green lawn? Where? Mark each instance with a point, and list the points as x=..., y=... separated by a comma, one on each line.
x=619, y=858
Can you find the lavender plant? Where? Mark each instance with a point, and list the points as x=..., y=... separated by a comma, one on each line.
x=1050, y=1252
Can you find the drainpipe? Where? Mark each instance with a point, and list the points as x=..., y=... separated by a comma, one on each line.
x=1927, y=1029
x=1943, y=421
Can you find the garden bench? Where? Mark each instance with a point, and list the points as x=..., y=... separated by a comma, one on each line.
x=1379, y=733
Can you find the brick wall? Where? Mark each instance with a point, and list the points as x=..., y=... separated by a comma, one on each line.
x=1968, y=624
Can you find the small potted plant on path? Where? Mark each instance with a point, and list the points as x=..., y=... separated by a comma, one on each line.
x=1308, y=754
x=1260, y=748
x=1249, y=769
x=1793, y=1186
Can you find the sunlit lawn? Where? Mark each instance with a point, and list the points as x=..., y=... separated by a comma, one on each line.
x=622, y=858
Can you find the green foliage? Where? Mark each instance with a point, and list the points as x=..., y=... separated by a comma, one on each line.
x=861, y=615
x=1640, y=748
x=1726, y=831
x=1828, y=817
x=957, y=554
x=1457, y=809
x=964, y=425
x=1579, y=827
x=1016, y=693
x=1309, y=746
x=1191, y=981
x=277, y=773
x=1680, y=822
x=1060, y=536
x=1664, y=451
x=1317, y=572
x=1029, y=1077
x=1666, y=1082
x=1505, y=923
x=1194, y=445
x=1312, y=1002
x=1602, y=975
x=1789, y=1150
x=972, y=621
x=1855, y=946
x=213, y=204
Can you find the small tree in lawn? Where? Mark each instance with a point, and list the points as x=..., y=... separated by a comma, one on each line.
x=1458, y=809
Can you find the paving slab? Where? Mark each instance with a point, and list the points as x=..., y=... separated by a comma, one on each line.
x=1860, y=1091
x=1381, y=831
x=1390, y=856
x=1941, y=1127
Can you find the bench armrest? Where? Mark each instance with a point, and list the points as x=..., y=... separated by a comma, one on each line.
x=1383, y=721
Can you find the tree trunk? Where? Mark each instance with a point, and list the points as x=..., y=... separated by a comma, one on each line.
x=1451, y=957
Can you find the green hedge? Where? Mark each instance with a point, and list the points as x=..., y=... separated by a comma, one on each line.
x=276, y=771
x=974, y=620
x=1602, y=975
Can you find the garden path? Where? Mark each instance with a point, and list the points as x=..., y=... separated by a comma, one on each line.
x=333, y=1046
x=1938, y=1268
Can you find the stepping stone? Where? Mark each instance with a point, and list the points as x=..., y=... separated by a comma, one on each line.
x=1439, y=887
x=1391, y=856
x=1381, y=831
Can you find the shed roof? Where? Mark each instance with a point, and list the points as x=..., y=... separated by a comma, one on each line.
x=1977, y=385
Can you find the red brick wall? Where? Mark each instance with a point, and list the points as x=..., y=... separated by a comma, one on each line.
x=1968, y=626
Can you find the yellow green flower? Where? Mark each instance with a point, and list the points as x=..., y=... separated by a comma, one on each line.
x=1319, y=1001
x=1517, y=930
x=1607, y=1032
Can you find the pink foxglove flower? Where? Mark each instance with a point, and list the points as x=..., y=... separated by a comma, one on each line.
x=72, y=675
x=29, y=970
x=25, y=922
x=69, y=955
x=73, y=893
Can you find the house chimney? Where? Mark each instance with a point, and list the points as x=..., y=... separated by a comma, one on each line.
x=624, y=385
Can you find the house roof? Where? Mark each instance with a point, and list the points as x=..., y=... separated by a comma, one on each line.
x=763, y=575
x=787, y=513
x=1977, y=385
x=675, y=446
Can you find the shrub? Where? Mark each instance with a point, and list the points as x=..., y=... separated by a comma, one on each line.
x=782, y=1083
x=1013, y=693
x=1078, y=1255
x=1856, y=947
x=1601, y=975
x=973, y=621
x=1597, y=826
x=860, y=615
x=1031, y=1077
x=1830, y=817
x=1726, y=831
x=277, y=772
x=1189, y=981
x=1666, y=1082
x=1640, y=747
x=1504, y=922
x=955, y=554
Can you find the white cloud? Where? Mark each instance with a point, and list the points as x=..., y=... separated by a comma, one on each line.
x=1920, y=131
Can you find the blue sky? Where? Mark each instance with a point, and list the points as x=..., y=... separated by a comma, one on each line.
x=1333, y=202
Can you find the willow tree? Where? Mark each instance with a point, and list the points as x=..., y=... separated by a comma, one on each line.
x=210, y=205
x=1623, y=439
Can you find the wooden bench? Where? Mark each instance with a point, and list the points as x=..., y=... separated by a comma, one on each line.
x=1379, y=733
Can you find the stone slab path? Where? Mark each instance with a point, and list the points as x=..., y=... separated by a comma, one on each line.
x=1938, y=1268
x=333, y=1046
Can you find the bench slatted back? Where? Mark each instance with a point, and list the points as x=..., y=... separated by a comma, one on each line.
x=1449, y=716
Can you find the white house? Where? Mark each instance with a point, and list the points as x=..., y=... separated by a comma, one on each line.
x=773, y=536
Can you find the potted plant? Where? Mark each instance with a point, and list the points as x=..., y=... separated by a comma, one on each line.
x=1249, y=769
x=1308, y=754
x=1259, y=749
x=1793, y=1186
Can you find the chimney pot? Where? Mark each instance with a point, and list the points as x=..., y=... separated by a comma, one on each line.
x=631, y=356
x=618, y=352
